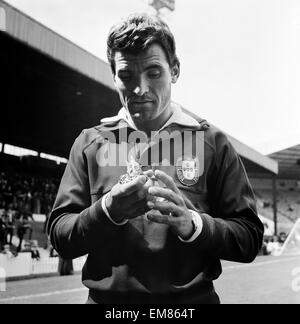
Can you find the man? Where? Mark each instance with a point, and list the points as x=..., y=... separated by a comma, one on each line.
x=155, y=236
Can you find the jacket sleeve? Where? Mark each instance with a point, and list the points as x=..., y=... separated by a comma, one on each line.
x=233, y=231
x=75, y=226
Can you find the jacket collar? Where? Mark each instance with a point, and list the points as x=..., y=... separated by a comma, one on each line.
x=179, y=117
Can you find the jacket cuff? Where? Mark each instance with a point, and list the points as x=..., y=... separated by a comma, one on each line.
x=203, y=241
x=198, y=223
x=103, y=205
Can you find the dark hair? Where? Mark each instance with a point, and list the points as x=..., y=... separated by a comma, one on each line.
x=138, y=32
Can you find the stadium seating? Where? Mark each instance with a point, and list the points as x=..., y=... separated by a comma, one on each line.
x=288, y=207
x=21, y=196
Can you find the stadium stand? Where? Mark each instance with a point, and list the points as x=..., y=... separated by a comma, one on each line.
x=288, y=202
x=27, y=190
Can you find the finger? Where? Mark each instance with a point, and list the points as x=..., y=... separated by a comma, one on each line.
x=150, y=198
x=160, y=219
x=149, y=173
x=167, y=180
x=166, y=193
x=165, y=208
x=141, y=193
x=127, y=189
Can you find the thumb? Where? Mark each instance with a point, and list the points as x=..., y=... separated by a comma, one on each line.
x=149, y=173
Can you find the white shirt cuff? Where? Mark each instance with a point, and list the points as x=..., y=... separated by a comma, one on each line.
x=199, y=226
x=107, y=213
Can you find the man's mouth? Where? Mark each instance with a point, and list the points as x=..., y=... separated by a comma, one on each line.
x=140, y=102
x=138, y=107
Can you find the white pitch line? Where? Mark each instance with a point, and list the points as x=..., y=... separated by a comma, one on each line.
x=53, y=293
x=258, y=264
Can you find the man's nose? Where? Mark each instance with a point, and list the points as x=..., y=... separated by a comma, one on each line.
x=142, y=87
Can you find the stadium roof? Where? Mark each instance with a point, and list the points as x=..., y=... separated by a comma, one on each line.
x=289, y=162
x=35, y=35
x=52, y=89
x=257, y=164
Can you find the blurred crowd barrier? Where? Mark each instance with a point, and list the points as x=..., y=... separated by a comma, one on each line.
x=23, y=265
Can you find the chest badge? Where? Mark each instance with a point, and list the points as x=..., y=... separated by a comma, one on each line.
x=187, y=170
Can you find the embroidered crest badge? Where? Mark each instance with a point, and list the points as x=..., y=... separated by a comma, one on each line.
x=188, y=171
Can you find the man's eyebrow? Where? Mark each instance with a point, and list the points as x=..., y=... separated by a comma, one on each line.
x=153, y=66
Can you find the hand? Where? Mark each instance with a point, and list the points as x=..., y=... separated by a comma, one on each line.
x=129, y=200
x=174, y=211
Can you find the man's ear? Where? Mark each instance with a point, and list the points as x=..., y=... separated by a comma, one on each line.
x=175, y=71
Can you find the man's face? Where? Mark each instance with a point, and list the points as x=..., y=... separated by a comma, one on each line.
x=144, y=83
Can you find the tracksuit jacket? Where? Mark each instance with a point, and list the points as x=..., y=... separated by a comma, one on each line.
x=144, y=262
